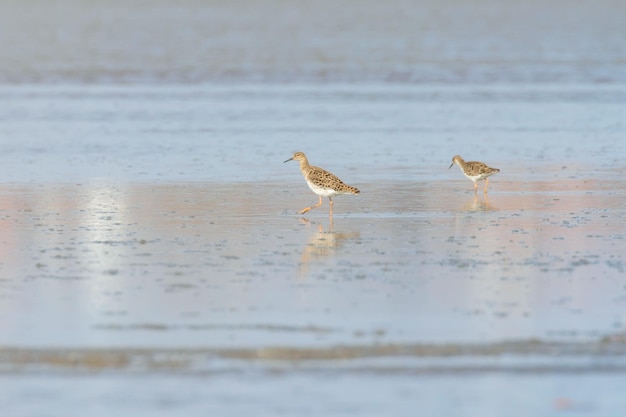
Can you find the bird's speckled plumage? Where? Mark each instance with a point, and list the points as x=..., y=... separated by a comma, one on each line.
x=475, y=171
x=321, y=182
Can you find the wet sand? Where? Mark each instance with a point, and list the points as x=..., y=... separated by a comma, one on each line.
x=152, y=261
x=409, y=285
x=137, y=263
x=150, y=239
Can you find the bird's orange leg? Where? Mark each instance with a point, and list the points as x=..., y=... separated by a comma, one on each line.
x=306, y=210
x=486, y=185
x=331, y=206
x=475, y=186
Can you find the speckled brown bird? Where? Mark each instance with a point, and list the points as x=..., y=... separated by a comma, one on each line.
x=321, y=182
x=475, y=171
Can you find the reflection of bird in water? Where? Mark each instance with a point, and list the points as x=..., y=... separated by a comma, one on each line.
x=322, y=244
x=476, y=204
x=475, y=171
x=321, y=182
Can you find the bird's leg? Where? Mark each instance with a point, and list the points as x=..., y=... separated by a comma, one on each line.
x=331, y=206
x=306, y=210
x=475, y=186
x=486, y=185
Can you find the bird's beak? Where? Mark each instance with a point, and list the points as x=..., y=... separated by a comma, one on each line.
x=290, y=159
x=451, y=165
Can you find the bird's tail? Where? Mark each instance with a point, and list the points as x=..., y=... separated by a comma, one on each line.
x=352, y=190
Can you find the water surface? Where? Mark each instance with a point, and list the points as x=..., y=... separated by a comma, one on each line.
x=152, y=260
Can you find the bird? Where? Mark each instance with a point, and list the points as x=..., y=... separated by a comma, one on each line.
x=321, y=182
x=475, y=171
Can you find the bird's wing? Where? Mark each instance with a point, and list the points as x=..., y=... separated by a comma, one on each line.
x=323, y=178
x=477, y=168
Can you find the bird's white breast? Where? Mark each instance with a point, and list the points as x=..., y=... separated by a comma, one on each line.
x=323, y=191
x=479, y=177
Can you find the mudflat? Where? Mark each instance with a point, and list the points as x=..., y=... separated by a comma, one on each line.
x=152, y=261
x=406, y=282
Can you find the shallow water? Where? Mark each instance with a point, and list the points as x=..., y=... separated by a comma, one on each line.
x=152, y=232
x=132, y=264
x=409, y=285
x=232, y=133
x=396, y=41
x=152, y=260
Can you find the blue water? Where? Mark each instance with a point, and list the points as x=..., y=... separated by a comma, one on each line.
x=244, y=132
x=145, y=209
